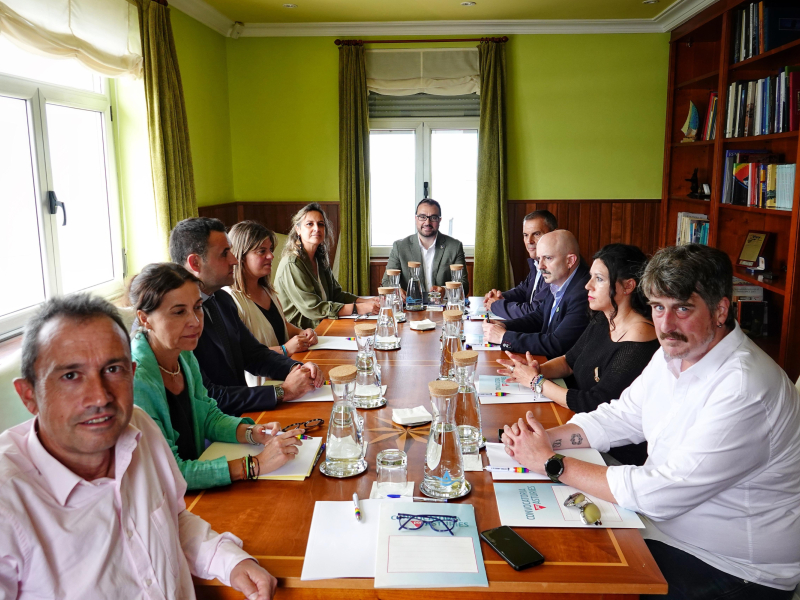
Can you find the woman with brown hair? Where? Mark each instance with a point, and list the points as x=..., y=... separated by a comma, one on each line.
x=305, y=281
x=168, y=385
x=259, y=307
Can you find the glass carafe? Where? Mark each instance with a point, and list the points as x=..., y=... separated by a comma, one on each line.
x=394, y=282
x=444, y=465
x=368, y=376
x=346, y=446
x=455, y=301
x=456, y=272
x=451, y=343
x=414, y=290
x=468, y=408
x=387, y=338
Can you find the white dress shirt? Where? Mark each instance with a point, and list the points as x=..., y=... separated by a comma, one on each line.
x=535, y=279
x=722, y=479
x=427, y=260
x=128, y=537
x=558, y=292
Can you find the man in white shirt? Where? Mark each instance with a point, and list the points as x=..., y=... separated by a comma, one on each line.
x=721, y=485
x=91, y=498
x=435, y=250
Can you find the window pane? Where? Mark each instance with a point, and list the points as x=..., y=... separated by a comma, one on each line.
x=392, y=178
x=21, y=265
x=77, y=159
x=454, y=180
x=67, y=71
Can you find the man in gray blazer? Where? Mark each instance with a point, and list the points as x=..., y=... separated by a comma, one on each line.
x=436, y=251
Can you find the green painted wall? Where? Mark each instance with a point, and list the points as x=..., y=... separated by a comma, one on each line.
x=586, y=115
x=284, y=100
x=204, y=73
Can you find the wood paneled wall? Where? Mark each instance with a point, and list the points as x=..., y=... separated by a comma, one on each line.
x=594, y=222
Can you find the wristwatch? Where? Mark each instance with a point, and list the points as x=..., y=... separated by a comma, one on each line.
x=554, y=467
x=279, y=393
x=248, y=435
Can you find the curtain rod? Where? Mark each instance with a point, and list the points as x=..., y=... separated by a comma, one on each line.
x=362, y=42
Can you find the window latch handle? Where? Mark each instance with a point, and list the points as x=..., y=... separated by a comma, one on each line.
x=55, y=203
x=425, y=189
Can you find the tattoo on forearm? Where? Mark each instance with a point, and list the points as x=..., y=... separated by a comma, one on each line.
x=557, y=443
x=576, y=439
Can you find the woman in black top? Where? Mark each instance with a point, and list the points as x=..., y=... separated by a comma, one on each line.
x=613, y=351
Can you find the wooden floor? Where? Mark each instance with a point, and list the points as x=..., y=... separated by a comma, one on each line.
x=273, y=517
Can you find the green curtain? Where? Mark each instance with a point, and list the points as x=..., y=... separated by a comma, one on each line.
x=353, y=170
x=492, y=262
x=168, y=129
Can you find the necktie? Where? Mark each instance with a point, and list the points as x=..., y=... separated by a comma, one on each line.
x=215, y=317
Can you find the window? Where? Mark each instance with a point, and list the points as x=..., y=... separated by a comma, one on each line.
x=408, y=157
x=55, y=146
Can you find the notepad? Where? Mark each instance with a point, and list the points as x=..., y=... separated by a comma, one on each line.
x=296, y=469
x=334, y=342
x=323, y=394
x=497, y=456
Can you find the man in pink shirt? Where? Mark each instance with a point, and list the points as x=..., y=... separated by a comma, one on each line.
x=91, y=499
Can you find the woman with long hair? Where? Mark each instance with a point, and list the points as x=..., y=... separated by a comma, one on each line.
x=304, y=280
x=613, y=351
x=259, y=306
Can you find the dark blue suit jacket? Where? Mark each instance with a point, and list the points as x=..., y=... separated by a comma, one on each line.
x=223, y=374
x=517, y=302
x=532, y=333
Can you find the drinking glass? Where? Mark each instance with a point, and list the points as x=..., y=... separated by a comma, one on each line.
x=392, y=472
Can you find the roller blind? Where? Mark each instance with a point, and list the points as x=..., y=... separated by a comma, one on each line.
x=423, y=105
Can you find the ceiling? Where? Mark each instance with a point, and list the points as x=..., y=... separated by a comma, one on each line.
x=340, y=11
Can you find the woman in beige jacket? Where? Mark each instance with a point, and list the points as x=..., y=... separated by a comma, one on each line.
x=259, y=308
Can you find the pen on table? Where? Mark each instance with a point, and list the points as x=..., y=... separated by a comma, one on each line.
x=319, y=455
x=497, y=394
x=420, y=498
x=358, y=508
x=350, y=339
x=508, y=469
x=299, y=437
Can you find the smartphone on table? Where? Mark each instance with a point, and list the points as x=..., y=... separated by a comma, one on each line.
x=516, y=551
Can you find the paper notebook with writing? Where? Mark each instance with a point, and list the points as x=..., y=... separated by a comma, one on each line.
x=296, y=469
x=424, y=557
x=498, y=458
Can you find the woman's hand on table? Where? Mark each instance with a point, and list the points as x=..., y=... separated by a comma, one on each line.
x=283, y=448
x=519, y=372
x=310, y=335
x=264, y=434
x=298, y=343
x=367, y=306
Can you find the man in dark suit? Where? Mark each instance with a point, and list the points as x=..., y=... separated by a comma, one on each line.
x=436, y=251
x=558, y=321
x=227, y=348
x=523, y=299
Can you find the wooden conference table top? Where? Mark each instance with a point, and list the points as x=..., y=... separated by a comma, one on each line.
x=273, y=517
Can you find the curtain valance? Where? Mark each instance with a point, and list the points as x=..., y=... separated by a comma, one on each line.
x=441, y=72
x=101, y=34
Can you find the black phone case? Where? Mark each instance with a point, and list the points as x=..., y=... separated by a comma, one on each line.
x=505, y=558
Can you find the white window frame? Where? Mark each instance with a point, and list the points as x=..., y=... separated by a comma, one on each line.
x=38, y=95
x=422, y=127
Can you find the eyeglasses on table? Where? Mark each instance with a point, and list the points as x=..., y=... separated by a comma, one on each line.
x=440, y=523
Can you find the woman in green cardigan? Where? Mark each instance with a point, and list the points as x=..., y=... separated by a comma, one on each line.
x=308, y=290
x=168, y=385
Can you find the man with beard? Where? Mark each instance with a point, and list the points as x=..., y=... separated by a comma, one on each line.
x=436, y=251
x=721, y=485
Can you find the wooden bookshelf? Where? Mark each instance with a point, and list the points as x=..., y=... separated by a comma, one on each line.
x=701, y=54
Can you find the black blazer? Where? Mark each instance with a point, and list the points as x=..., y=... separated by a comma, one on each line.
x=521, y=300
x=223, y=373
x=532, y=333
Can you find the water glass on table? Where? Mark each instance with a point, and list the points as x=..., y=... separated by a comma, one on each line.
x=392, y=472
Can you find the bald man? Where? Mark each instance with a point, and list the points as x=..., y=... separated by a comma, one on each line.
x=557, y=322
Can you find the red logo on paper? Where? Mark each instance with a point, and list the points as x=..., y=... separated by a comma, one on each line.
x=538, y=507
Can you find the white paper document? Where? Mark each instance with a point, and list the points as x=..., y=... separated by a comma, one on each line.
x=429, y=554
x=535, y=504
x=361, y=317
x=338, y=544
x=406, y=491
x=323, y=394
x=296, y=469
x=335, y=342
x=498, y=458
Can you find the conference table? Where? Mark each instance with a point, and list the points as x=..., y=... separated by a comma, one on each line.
x=273, y=517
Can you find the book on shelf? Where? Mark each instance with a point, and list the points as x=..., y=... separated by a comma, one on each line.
x=764, y=106
x=710, y=126
x=747, y=292
x=762, y=184
x=784, y=186
x=764, y=26
x=692, y=229
x=734, y=157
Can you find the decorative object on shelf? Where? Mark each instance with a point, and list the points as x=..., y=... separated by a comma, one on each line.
x=692, y=124
x=753, y=250
x=696, y=193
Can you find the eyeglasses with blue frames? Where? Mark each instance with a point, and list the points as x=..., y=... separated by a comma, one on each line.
x=440, y=523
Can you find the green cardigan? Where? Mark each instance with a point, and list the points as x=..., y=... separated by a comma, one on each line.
x=209, y=421
x=301, y=294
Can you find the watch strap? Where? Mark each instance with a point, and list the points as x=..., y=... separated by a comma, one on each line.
x=248, y=435
x=279, y=393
